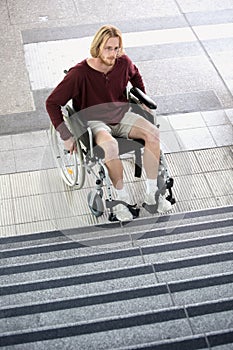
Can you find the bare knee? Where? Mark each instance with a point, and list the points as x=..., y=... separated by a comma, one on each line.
x=151, y=136
x=146, y=131
x=111, y=149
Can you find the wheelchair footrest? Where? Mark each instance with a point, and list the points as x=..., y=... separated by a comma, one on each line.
x=171, y=199
x=152, y=209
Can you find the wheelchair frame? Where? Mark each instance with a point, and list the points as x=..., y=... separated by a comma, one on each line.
x=73, y=167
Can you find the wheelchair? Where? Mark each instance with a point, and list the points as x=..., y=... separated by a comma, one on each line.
x=89, y=158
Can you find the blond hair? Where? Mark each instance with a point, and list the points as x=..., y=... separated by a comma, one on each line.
x=100, y=38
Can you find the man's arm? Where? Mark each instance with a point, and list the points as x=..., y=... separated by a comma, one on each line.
x=64, y=92
x=137, y=81
x=135, y=76
x=59, y=97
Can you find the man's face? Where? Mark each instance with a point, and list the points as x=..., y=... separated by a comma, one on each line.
x=110, y=51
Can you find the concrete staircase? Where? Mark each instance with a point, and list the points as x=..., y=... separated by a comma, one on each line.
x=160, y=283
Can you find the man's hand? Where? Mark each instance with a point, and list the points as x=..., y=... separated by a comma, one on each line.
x=70, y=145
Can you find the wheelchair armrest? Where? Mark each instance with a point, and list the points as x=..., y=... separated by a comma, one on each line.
x=143, y=98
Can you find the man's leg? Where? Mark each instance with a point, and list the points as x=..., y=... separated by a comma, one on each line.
x=112, y=161
x=115, y=170
x=142, y=129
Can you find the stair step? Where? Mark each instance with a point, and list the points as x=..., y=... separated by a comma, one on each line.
x=146, y=249
x=160, y=283
x=193, y=343
x=174, y=316
x=81, y=234
x=73, y=246
x=121, y=300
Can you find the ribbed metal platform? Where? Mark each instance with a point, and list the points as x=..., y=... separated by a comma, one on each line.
x=37, y=201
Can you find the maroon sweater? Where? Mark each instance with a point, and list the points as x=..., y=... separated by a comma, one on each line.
x=88, y=87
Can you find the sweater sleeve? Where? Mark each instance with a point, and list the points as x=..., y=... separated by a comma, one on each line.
x=64, y=92
x=135, y=77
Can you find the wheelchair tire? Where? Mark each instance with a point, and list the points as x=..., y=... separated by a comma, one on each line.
x=95, y=203
x=71, y=166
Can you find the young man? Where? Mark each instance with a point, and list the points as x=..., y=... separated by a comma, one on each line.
x=101, y=80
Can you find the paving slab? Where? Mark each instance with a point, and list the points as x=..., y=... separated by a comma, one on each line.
x=229, y=113
x=186, y=75
x=212, y=118
x=17, y=95
x=222, y=134
x=131, y=9
x=195, y=139
x=212, y=16
x=23, y=12
x=207, y=5
x=223, y=62
x=218, y=45
x=7, y=162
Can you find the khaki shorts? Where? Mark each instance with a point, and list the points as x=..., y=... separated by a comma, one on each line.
x=121, y=129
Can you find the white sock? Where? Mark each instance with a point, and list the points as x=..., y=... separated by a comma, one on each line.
x=151, y=185
x=122, y=194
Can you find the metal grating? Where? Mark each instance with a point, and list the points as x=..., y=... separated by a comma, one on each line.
x=39, y=200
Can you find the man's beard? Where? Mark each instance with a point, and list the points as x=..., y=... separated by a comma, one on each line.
x=108, y=61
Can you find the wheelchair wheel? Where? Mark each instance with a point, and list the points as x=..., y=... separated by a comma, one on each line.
x=71, y=166
x=95, y=203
